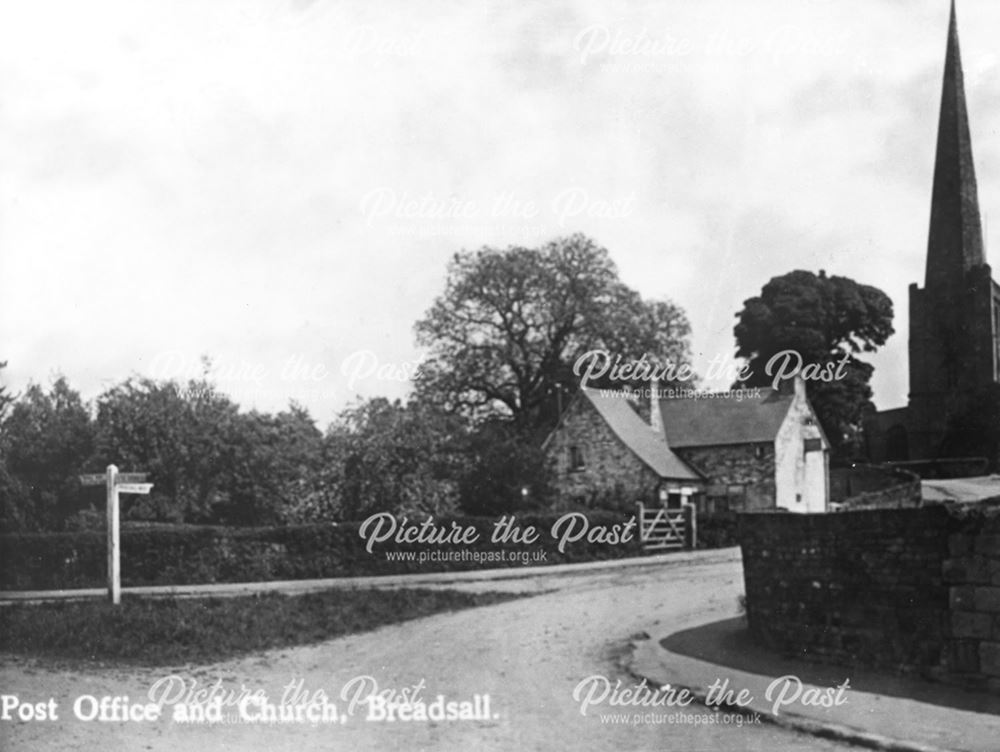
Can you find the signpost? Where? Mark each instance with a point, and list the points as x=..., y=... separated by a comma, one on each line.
x=137, y=488
x=116, y=483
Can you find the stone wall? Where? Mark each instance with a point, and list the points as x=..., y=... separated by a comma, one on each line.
x=611, y=474
x=873, y=487
x=737, y=465
x=906, y=590
x=946, y=467
x=858, y=479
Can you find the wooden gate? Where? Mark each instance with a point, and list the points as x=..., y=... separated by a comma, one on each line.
x=663, y=529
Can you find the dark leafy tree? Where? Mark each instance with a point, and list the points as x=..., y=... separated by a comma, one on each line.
x=12, y=495
x=504, y=474
x=6, y=398
x=16, y=510
x=391, y=457
x=824, y=319
x=45, y=439
x=182, y=435
x=209, y=462
x=272, y=467
x=506, y=332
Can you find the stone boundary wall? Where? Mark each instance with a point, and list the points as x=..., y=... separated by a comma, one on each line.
x=912, y=591
x=945, y=467
x=888, y=488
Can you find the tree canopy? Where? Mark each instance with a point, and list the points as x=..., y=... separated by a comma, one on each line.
x=503, y=337
x=826, y=320
x=390, y=456
x=45, y=441
x=505, y=333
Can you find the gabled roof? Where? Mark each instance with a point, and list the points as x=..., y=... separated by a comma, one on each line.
x=636, y=434
x=725, y=420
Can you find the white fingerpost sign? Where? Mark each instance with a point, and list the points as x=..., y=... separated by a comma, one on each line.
x=116, y=483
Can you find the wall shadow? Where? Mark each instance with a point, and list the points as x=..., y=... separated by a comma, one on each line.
x=728, y=643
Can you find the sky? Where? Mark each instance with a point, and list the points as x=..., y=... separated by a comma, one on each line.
x=279, y=184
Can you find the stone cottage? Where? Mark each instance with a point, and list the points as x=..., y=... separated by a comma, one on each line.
x=723, y=453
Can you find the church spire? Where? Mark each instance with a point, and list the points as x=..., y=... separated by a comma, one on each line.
x=955, y=241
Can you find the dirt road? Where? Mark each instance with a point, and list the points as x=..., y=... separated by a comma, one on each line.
x=528, y=655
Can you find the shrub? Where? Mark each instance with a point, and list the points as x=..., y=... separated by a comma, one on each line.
x=181, y=555
x=718, y=530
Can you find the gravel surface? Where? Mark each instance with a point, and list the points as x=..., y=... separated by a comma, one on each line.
x=527, y=655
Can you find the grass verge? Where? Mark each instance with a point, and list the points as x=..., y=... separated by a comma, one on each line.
x=161, y=632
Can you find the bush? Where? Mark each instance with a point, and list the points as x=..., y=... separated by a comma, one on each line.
x=178, y=555
x=718, y=530
x=183, y=555
x=507, y=474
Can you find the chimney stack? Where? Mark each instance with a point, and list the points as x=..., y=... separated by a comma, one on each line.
x=800, y=387
x=655, y=416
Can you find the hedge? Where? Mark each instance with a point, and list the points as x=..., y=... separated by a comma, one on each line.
x=202, y=555
x=718, y=530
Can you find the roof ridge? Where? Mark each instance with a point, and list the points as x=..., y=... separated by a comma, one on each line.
x=648, y=445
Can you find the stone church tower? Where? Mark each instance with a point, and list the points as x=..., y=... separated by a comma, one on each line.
x=955, y=319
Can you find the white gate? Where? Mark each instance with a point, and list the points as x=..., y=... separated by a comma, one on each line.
x=663, y=529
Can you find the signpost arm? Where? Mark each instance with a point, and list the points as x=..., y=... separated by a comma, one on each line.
x=114, y=561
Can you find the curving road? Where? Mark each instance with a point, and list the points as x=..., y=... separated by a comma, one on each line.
x=528, y=655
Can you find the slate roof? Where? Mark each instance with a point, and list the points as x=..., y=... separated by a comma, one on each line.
x=717, y=422
x=636, y=434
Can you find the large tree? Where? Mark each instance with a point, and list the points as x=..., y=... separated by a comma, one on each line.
x=181, y=434
x=394, y=457
x=506, y=332
x=12, y=493
x=503, y=473
x=44, y=442
x=6, y=398
x=827, y=321
x=274, y=464
x=208, y=461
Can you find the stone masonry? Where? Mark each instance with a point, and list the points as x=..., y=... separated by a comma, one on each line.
x=749, y=466
x=610, y=473
x=906, y=590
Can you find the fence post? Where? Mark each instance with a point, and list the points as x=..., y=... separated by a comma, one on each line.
x=690, y=525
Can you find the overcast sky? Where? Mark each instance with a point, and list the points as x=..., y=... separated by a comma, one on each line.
x=279, y=184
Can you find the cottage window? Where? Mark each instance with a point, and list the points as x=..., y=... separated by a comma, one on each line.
x=575, y=458
x=759, y=451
